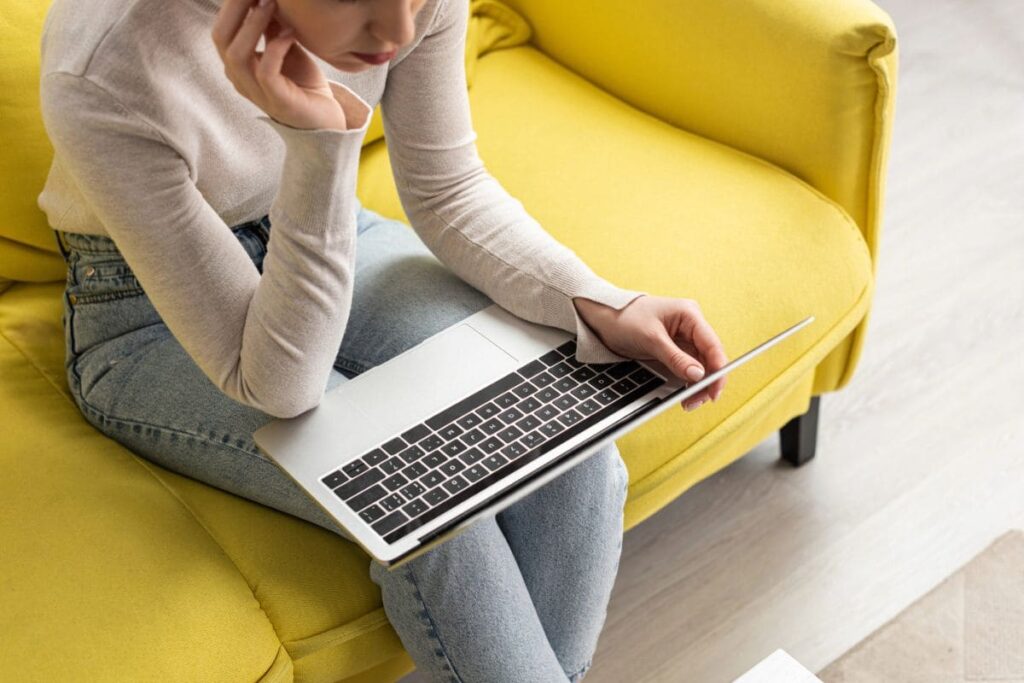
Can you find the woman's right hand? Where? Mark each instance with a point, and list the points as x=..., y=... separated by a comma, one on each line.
x=283, y=80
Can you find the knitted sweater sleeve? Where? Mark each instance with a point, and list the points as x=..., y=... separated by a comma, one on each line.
x=268, y=342
x=461, y=212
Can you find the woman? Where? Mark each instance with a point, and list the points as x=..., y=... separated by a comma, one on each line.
x=189, y=322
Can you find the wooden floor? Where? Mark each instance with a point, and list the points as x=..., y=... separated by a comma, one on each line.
x=921, y=458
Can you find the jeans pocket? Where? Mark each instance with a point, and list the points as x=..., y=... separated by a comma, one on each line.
x=94, y=280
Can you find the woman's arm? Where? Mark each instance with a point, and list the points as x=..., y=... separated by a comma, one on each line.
x=270, y=341
x=461, y=212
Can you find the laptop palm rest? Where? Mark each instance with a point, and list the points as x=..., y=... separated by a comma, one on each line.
x=428, y=377
x=412, y=386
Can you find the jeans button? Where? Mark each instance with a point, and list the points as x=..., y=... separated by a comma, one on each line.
x=89, y=271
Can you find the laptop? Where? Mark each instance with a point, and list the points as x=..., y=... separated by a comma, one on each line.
x=412, y=451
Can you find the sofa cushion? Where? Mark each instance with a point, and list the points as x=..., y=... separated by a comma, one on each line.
x=128, y=571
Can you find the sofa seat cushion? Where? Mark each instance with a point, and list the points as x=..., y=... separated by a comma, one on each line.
x=119, y=568
x=655, y=208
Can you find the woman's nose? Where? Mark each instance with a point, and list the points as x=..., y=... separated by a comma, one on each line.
x=394, y=22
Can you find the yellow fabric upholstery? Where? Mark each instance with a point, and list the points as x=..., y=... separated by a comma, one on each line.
x=744, y=170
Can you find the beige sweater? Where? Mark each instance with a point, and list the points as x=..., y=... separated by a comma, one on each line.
x=155, y=149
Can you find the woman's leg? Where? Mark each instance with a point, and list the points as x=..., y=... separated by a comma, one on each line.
x=534, y=610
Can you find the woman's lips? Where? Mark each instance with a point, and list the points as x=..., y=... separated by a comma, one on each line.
x=378, y=58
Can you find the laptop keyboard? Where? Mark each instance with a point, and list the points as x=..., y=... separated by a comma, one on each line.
x=414, y=477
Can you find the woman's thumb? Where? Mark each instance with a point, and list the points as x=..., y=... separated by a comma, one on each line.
x=682, y=364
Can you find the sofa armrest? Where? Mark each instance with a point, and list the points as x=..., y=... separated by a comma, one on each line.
x=804, y=84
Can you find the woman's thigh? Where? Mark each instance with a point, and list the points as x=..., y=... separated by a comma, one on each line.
x=134, y=382
x=402, y=295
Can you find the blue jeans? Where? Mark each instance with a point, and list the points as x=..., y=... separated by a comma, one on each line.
x=519, y=596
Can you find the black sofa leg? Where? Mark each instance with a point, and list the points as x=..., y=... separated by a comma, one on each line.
x=799, y=436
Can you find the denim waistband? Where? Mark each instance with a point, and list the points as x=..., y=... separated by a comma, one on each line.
x=101, y=244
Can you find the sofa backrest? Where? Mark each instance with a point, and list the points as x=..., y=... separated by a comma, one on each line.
x=28, y=251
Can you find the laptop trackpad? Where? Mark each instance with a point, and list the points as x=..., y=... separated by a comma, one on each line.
x=427, y=378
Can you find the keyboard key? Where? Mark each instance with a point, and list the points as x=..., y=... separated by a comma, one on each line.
x=542, y=380
x=488, y=410
x=510, y=415
x=588, y=407
x=351, y=488
x=475, y=472
x=509, y=435
x=568, y=348
x=533, y=439
x=435, y=496
x=370, y=495
x=455, y=484
x=514, y=450
x=549, y=429
x=620, y=370
x=600, y=381
x=531, y=369
x=494, y=462
x=431, y=442
x=524, y=390
x=335, y=478
x=375, y=456
x=453, y=447
x=490, y=445
x=434, y=459
x=624, y=386
x=416, y=433
x=605, y=397
x=413, y=490
x=641, y=375
x=547, y=394
x=583, y=391
x=565, y=402
x=392, y=502
x=415, y=508
x=431, y=479
x=569, y=418
x=354, y=468
x=473, y=401
x=473, y=437
x=452, y=467
x=469, y=421
x=492, y=425
x=529, y=405
x=390, y=523
x=414, y=470
x=449, y=432
x=395, y=481
x=528, y=423
x=551, y=358
x=565, y=384
x=471, y=456
x=560, y=370
x=371, y=514
x=393, y=465
x=411, y=454
x=547, y=413
x=395, y=445
x=583, y=374
x=506, y=399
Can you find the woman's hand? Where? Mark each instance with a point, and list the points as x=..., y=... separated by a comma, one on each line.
x=283, y=80
x=671, y=331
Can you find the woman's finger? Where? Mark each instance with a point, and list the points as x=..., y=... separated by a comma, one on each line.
x=268, y=70
x=712, y=352
x=668, y=353
x=241, y=53
x=229, y=18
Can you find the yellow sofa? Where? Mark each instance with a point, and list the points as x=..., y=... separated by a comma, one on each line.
x=733, y=153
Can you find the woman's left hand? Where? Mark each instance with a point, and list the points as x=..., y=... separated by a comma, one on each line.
x=671, y=331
